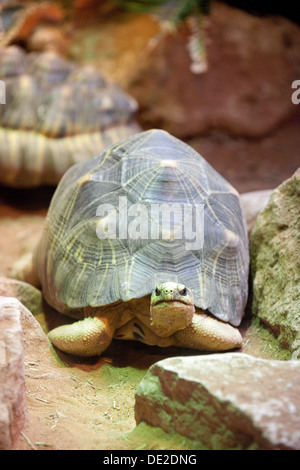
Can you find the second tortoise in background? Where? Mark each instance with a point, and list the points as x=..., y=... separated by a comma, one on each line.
x=56, y=114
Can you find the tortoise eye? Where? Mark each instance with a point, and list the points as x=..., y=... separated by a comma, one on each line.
x=157, y=291
x=184, y=291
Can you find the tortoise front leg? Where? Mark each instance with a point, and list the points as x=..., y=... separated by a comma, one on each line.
x=208, y=334
x=88, y=337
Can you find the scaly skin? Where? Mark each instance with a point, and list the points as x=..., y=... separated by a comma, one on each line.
x=208, y=334
x=88, y=337
x=171, y=321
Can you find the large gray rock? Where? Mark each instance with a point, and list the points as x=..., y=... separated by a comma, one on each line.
x=275, y=264
x=224, y=401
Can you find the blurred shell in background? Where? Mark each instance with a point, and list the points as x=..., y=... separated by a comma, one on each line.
x=56, y=114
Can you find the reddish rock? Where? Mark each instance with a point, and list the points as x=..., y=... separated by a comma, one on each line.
x=246, y=91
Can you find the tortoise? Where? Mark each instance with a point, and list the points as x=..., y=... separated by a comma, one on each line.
x=102, y=260
x=57, y=113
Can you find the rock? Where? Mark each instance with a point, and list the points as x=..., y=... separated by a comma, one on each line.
x=13, y=411
x=37, y=347
x=28, y=295
x=275, y=264
x=19, y=231
x=253, y=203
x=246, y=91
x=225, y=401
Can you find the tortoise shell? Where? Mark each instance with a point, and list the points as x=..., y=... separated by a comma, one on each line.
x=56, y=114
x=102, y=242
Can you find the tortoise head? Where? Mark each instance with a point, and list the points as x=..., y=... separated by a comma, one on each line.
x=171, y=308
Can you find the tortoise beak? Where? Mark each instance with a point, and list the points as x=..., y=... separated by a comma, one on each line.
x=169, y=301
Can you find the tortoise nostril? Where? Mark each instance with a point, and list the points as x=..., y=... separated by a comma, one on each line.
x=168, y=291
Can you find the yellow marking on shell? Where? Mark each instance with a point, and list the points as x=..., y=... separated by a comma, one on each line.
x=78, y=254
x=231, y=237
x=231, y=190
x=72, y=242
x=107, y=154
x=168, y=235
x=136, y=175
x=220, y=284
x=71, y=202
x=101, y=255
x=127, y=282
x=84, y=179
x=74, y=292
x=182, y=184
x=168, y=163
x=201, y=283
x=148, y=184
x=103, y=279
x=136, y=141
x=205, y=271
x=132, y=261
x=214, y=214
x=217, y=257
x=234, y=240
x=241, y=263
x=196, y=184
